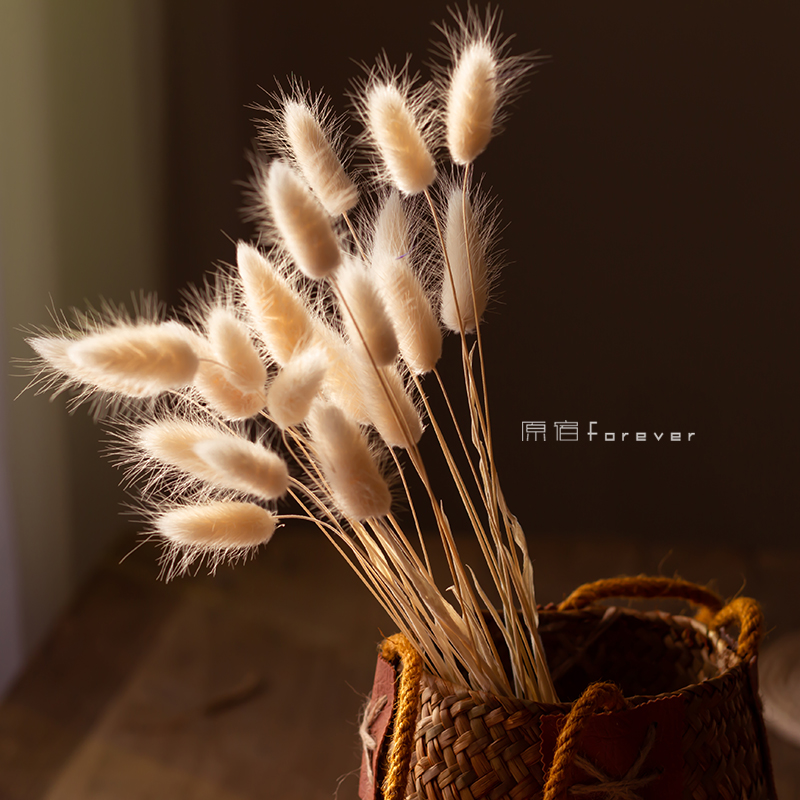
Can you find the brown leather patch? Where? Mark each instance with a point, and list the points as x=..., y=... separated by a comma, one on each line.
x=383, y=687
x=611, y=743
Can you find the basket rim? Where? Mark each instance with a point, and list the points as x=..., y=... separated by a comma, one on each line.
x=718, y=641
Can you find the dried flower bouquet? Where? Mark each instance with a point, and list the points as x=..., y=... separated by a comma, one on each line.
x=316, y=344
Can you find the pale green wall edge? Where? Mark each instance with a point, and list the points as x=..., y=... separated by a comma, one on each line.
x=80, y=171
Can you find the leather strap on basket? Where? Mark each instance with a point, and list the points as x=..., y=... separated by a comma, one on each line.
x=743, y=610
x=600, y=696
x=398, y=648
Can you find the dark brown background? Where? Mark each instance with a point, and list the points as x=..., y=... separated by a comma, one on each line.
x=648, y=179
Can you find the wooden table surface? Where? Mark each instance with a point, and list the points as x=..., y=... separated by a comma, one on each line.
x=247, y=685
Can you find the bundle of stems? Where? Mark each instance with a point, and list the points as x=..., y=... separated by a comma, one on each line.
x=317, y=342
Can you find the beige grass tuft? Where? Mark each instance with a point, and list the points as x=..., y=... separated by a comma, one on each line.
x=232, y=376
x=357, y=486
x=296, y=386
x=407, y=303
x=244, y=466
x=132, y=360
x=225, y=527
x=398, y=138
x=471, y=103
x=466, y=253
x=219, y=459
x=316, y=158
x=389, y=407
x=365, y=316
x=279, y=313
x=304, y=225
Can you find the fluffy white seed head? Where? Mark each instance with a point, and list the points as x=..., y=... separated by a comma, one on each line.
x=342, y=377
x=357, y=486
x=389, y=407
x=279, y=314
x=296, y=386
x=244, y=466
x=132, y=360
x=220, y=527
x=231, y=375
x=477, y=82
x=398, y=138
x=468, y=269
x=314, y=154
x=407, y=303
x=304, y=225
x=364, y=313
x=231, y=344
x=471, y=102
x=53, y=352
x=218, y=459
x=171, y=442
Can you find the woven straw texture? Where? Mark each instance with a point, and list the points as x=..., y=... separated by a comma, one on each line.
x=691, y=726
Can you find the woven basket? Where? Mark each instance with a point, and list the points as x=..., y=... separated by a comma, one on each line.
x=657, y=707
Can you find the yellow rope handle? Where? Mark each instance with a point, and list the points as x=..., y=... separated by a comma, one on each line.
x=743, y=610
x=600, y=696
x=747, y=612
x=398, y=648
x=642, y=586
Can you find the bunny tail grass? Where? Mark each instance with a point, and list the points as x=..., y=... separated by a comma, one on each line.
x=231, y=376
x=279, y=314
x=133, y=360
x=227, y=528
x=398, y=138
x=357, y=486
x=471, y=103
x=364, y=313
x=407, y=303
x=304, y=225
x=218, y=459
x=296, y=386
x=316, y=158
x=466, y=252
x=231, y=344
x=389, y=407
x=341, y=382
x=244, y=466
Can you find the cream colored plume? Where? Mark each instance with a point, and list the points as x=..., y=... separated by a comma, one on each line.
x=398, y=138
x=471, y=102
x=304, y=225
x=296, y=386
x=138, y=360
x=357, y=486
x=408, y=306
x=314, y=154
x=222, y=460
x=232, y=376
x=389, y=407
x=244, y=466
x=466, y=254
x=342, y=377
x=223, y=527
x=364, y=313
x=279, y=313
